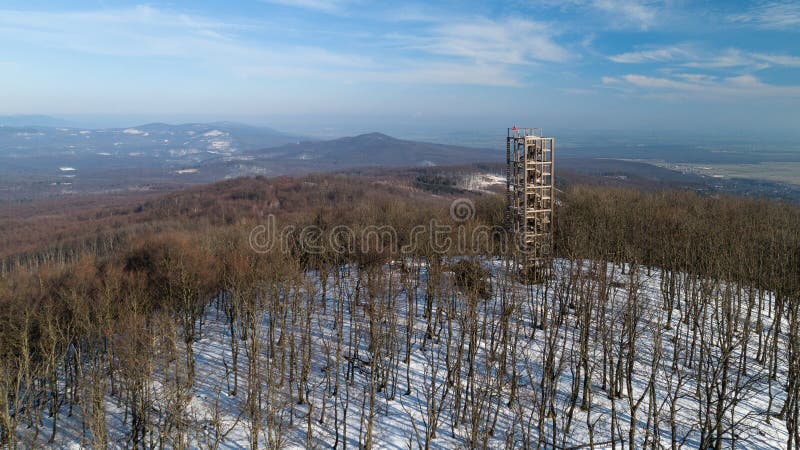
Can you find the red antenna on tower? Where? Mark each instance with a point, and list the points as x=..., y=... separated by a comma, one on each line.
x=514, y=129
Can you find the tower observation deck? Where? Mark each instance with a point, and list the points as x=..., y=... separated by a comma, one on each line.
x=530, y=197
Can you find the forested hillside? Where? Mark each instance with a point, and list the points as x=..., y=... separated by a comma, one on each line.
x=670, y=321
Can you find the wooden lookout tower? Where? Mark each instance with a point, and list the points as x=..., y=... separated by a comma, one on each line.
x=530, y=197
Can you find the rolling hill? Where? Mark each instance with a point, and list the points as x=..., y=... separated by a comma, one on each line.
x=366, y=150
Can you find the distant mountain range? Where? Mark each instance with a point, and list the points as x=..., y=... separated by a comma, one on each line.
x=26, y=120
x=52, y=160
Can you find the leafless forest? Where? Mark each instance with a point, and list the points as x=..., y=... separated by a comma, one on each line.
x=671, y=321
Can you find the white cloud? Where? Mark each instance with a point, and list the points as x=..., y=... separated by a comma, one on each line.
x=484, y=41
x=695, y=77
x=655, y=55
x=328, y=6
x=476, y=51
x=610, y=80
x=138, y=31
x=738, y=86
x=727, y=59
x=662, y=83
x=778, y=60
x=733, y=58
x=687, y=56
x=150, y=32
x=777, y=15
x=639, y=13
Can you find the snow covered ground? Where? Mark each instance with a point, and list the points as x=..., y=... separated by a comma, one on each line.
x=482, y=182
x=413, y=393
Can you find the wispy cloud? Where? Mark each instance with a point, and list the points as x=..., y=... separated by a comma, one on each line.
x=399, y=72
x=328, y=6
x=776, y=15
x=687, y=56
x=148, y=32
x=704, y=86
x=639, y=13
x=476, y=51
x=138, y=31
x=487, y=41
x=654, y=55
x=778, y=60
x=730, y=58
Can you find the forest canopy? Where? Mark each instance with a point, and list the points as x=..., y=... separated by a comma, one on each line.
x=315, y=342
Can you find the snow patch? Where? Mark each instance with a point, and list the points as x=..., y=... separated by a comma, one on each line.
x=135, y=132
x=481, y=182
x=219, y=145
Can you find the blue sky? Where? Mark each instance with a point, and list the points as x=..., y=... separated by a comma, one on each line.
x=355, y=64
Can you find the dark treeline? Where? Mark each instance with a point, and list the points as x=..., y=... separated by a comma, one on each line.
x=319, y=345
x=747, y=241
